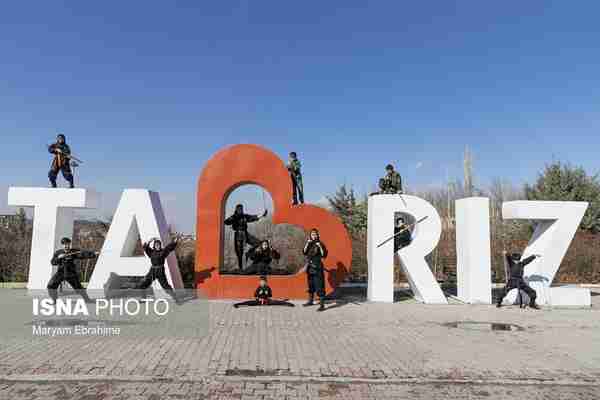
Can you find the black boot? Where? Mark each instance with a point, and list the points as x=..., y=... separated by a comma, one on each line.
x=533, y=304
x=311, y=301
x=321, y=305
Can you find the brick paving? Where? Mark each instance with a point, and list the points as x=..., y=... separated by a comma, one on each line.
x=353, y=350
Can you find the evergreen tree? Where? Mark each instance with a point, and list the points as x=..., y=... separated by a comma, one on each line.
x=563, y=182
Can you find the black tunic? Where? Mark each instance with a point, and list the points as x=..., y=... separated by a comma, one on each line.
x=516, y=268
x=158, y=257
x=314, y=257
x=263, y=293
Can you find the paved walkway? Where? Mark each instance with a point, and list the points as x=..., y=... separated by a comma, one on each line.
x=352, y=350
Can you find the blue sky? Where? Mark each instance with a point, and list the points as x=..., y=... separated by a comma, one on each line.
x=146, y=92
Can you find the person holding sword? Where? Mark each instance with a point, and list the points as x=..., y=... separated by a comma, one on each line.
x=315, y=251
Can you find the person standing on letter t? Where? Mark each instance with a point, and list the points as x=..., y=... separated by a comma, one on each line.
x=296, y=175
x=61, y=161
x=239, y=223
x=515, y=280
x=315, y=251
x=157, y=256
x=65, y=260
x=391, y=183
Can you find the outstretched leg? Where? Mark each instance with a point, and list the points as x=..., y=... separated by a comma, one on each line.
x=531, y=293
x=272, y=302
x=507, y=288
x=76, y=285
x=53, y=284
x=249, y=303
x=164, y=283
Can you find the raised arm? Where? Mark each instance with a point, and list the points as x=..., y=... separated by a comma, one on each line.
x=528, y=260
x=55, y=258
x=252, y=218
x=170, y=247
x=146, y=247
x=229, y=220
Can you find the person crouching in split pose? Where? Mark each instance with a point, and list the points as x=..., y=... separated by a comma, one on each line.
x=261, y=257
x=239, y=223
x=263, y=297
x=315, y=251
x=65, y=260
x=516, y=280
x=158, y=255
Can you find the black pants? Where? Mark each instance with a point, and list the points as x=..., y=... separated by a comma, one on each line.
x=241, y=238
x=73, y=280
x=269, y=302
x=66, y=172
x=316, y=284
x=400, y=243
x=520, y=284
x=298, y=189
x=152, y=275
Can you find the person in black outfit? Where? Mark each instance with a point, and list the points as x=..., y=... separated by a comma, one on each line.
x=261, y=257
x=158, y=255
x=61, y=161
x=239, y=223
x=263, y=297
x=402, y=236
x=315, y=251
x=516, y=267
x=65, y=260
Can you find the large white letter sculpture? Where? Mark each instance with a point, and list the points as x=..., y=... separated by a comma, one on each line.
x=473, y=260
x=557, y=223
x=139, y=215
x=53, y=220
x=426, y=236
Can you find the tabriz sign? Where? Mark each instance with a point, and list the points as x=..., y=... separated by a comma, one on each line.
x=140, y=214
